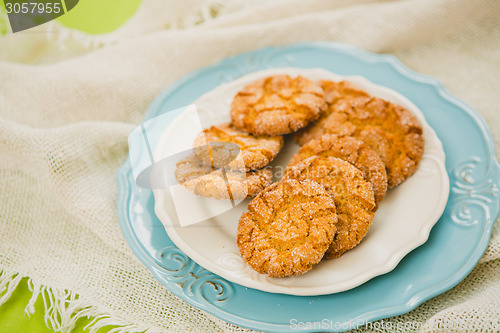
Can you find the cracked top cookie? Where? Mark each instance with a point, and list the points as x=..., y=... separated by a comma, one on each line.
x=352, y=194
x=288, y=228
x=224, y=183
x=353, y=151
x=389, y=129
x=277, y=105
x=256, y=150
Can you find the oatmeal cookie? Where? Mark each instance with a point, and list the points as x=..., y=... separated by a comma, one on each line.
x=213, y=147
x=224, y=183
x=288, y=228
x=353, y=151
x=277, y=105
x=389, y=129
x=353, y=196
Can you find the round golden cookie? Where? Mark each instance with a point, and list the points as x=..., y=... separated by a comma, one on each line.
x=353, y=196
x=389, y=129
x=256, y=151
x=224, y=183
x=288, y=228
x=277, y=105
x=353, y=151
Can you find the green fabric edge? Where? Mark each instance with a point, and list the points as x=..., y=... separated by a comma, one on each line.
x=13, y=319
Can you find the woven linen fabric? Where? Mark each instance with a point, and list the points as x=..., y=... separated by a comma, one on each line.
x=68, y=102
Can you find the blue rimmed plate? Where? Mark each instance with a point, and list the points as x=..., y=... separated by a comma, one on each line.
x=455, y=244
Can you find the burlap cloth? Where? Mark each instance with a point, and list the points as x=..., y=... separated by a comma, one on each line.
x=69, y=100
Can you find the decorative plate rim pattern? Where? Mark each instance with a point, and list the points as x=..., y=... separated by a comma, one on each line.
x=471, y=195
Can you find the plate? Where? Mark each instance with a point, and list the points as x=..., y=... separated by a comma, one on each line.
x=402, y=222
x=455, y=245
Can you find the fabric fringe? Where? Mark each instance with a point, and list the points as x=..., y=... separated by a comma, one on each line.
x=8, y=283
x=63, y=308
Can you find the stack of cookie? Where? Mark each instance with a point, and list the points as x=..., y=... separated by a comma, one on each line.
x=358, y=148
x=354, y=147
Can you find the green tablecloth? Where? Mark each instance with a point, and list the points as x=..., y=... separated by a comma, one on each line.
x=13, y=319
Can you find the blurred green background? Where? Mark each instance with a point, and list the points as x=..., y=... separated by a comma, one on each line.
x=99, y=16
x=95, y=16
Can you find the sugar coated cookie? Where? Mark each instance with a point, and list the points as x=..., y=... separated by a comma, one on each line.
x=256, y=150
x=224, y=183
x=277, y=105
x=389, y=129
x=288, y=228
